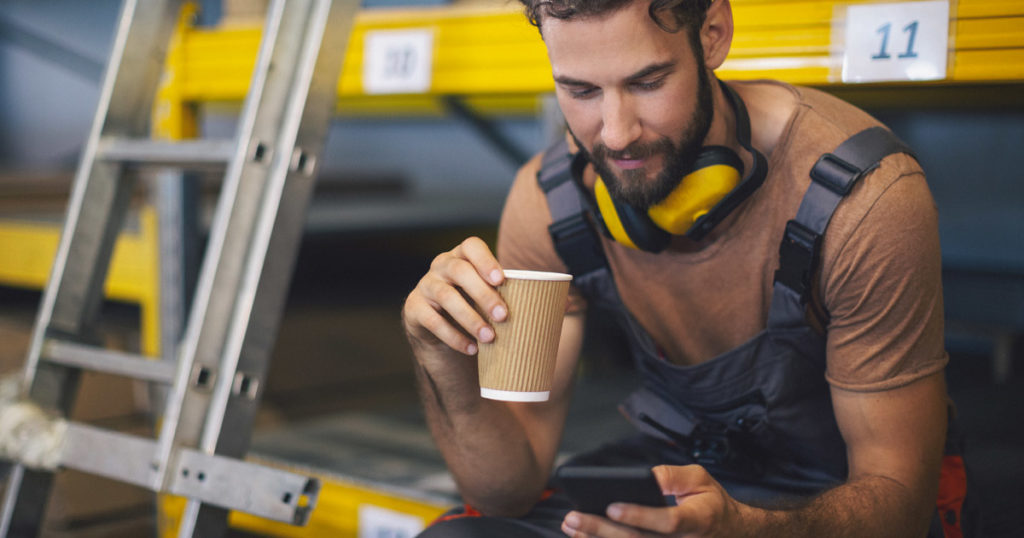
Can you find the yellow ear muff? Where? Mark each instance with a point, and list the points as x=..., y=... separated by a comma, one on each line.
x=696, y=194
x=716, y=174
x=610, y=215
x=702, y=199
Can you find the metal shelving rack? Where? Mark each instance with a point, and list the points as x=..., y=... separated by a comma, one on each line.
x=489, y=57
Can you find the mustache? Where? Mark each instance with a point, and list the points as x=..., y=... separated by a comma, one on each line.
x=636, y=150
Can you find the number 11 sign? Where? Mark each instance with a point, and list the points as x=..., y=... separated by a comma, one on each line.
x=896, y=41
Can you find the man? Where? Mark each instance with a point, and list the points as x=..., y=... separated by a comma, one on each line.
x=833, y=426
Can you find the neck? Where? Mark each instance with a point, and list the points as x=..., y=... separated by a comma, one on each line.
x=723, y=120
x=723, y=125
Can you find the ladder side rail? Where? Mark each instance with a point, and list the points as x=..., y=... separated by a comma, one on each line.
x=280, y=228
x=300, y=140
x=25, y=498
x=216, y=286
x=98, y=200
x=95, y=213
x=288, y=20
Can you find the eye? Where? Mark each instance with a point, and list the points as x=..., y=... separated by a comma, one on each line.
x=582, y=92
x=648, y=85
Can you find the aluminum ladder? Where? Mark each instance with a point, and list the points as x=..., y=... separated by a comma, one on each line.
x=213, y=385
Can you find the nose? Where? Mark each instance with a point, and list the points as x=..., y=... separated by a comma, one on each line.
x=620, y=125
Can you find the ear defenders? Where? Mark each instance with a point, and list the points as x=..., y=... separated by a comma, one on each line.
x=703, y=198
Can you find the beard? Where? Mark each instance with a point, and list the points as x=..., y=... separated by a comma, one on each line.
x=633, y=186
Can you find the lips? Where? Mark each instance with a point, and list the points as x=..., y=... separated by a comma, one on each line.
x=628, y=164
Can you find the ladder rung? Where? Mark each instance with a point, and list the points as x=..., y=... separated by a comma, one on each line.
x=108, y=361
x=183, y=153
x=226, y=482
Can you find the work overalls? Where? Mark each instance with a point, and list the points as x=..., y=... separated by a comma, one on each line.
x=759, y=417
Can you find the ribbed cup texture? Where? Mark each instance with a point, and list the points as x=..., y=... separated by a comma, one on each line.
x=521, y=357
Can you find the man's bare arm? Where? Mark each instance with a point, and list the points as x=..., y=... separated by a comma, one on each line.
x=894, y=442
x=499, y=453
x=894, y=445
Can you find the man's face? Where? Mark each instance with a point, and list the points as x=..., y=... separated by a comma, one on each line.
x=637, y=99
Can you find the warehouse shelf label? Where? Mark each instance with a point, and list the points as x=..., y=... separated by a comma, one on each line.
x=895, y=41
x=377, y=522
x=398, y=61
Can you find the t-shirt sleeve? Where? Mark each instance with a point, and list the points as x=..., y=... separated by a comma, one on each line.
x=523, y=238
x=884, y=290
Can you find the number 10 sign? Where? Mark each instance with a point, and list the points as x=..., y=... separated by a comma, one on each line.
x=896, y=41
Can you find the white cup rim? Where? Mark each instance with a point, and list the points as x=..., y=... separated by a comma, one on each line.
x=515, y=396
x=536, y=275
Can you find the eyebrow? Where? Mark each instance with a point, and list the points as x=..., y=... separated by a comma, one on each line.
x=645, y=72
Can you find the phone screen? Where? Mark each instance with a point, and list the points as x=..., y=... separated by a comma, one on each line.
x=592, y=489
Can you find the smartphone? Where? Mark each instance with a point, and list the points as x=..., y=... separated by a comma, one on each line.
x=592, y=489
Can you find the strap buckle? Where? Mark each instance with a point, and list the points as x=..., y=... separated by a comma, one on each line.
x=835, y=174
x=709, y=446
x=798, y=256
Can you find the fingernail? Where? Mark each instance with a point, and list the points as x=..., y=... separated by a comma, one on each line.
x=496, y=277
x=471, y=349
x=572, y=520
x=486, y=334
x=498, y=313
x=614, y=511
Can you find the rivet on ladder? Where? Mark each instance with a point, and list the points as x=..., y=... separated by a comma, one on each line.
x=202, y=377
x=260, y=152
x=302, y=162
x=245, y=386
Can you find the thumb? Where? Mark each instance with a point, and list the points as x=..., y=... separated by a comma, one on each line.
x=682, y=480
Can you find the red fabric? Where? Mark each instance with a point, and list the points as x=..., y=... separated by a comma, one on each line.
x=952, y=491
x=469, y=511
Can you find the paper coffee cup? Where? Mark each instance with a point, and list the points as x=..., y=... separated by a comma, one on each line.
x=519, y=364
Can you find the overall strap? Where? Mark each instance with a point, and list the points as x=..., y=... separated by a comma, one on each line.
x=833, y=177
x=576, y=241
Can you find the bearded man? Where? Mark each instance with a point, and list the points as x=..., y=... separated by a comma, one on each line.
x=788, y=327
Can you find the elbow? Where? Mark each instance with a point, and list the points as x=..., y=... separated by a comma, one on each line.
x=501, y=508
x=503, y=502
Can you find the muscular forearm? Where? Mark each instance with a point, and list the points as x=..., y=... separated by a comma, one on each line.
x=486, y=449
x=874, y=506
x=499, y=453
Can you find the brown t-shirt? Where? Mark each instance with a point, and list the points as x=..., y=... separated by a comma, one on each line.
x=880, y=277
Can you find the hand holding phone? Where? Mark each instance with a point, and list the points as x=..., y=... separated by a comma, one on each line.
x=592, y=489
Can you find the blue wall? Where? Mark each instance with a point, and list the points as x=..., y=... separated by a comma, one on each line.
x=972, y=159
x=45, y=109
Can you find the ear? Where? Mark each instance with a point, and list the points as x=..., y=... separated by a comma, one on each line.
x=716, y=34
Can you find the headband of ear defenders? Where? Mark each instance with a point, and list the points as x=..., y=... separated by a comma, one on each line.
x=703, y=198
x=749, y=184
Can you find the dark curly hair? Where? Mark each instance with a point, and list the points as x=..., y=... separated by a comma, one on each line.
x=682, y=13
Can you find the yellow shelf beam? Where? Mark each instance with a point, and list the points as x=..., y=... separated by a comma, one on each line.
x=336, y=514
x=29, y=249
x=494, y=56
